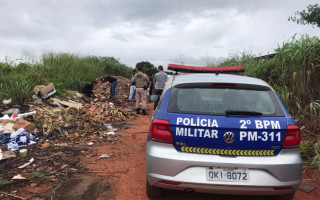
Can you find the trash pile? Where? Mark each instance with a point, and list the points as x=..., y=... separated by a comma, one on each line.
x=44, y=138
x=122, y=90
x=52, y=120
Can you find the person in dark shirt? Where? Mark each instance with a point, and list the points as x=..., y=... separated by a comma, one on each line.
x=87, y=89
x=113, y=84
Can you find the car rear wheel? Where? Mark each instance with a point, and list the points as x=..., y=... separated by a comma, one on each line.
x=153, y=192
x=285, y=197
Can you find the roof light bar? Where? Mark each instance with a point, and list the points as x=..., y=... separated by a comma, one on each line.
x=186, y=68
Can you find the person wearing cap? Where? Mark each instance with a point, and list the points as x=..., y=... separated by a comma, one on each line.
x=160, y=81
x=141, y=91
x=133, y=84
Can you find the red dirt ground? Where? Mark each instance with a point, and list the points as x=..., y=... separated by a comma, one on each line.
x=125, y=170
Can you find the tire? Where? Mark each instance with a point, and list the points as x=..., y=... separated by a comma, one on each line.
x=285, y=197
x=153, y=192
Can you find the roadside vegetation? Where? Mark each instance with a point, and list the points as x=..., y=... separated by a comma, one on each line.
x=294, y=73
x=66, y=71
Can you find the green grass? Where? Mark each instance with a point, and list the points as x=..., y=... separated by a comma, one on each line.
x=66, y=71
x=39, y=175
x=294, y=73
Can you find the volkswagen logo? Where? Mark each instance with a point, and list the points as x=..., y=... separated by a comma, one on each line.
x=228, y=137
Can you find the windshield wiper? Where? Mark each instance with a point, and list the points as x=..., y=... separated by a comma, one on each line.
x=241, y=112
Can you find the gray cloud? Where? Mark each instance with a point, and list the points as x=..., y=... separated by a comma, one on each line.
x=159, y=31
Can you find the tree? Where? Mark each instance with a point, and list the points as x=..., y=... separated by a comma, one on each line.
x=311, y=16
x=147, y=67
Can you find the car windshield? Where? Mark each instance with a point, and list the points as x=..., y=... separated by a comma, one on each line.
x=224, y=101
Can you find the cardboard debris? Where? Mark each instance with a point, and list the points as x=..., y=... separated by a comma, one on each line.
x=7, y=126
x=28, y=126
x=44, y=90
x=71, y=104
x=8, y=154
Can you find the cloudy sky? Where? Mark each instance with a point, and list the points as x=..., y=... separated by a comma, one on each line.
x=195, y=32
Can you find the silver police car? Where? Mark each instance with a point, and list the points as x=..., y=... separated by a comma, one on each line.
x=223, y=134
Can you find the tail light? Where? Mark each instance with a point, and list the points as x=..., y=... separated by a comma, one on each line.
x=161, y=131
x=292, y=137
x=169, y=182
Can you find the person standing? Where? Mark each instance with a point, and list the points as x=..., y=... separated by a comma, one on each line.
x=133, y=84
x=151, y=86
x=160, y=81
x=141, y=90
x=113, y=84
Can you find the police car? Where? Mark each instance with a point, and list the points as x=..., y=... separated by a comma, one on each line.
x=222, y=133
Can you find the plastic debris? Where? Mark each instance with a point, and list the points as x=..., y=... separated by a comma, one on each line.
x=26, y=164
x=26, y=114
x=90, y=143
x=23, y=152
x=11, y=111
x=18, y=177
x=111, y=133
x=5, y=117
x=21, y=138
x=4, y=138
x=7, y=101
x=109, y=126
x=103, y=156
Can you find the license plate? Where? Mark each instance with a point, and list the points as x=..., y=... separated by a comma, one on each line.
x=227, y=174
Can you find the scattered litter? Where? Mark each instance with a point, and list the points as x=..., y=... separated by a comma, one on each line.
x=8, y=154
x=90, y=143
x=4, y=138
x=11, y=111
x=5, y=117
x=306, y=188
x=23, y=152
x=8, y=127
x=44, y=90
x=28, y=126
x=45, y=145
x=26, y=164
x=7, y=101
x=21, y=138
x=66, y=103
x=26, y=114
x=109, y=126
x=36, y=99
x=18, y=177
x=103, y=156
x=111, y=133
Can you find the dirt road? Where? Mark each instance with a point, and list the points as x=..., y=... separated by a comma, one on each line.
x=125, y=170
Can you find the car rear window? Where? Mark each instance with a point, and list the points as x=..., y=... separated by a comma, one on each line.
x=218, y=101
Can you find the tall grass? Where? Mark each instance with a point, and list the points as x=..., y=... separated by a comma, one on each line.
x=66, y=71
x=294, y=73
